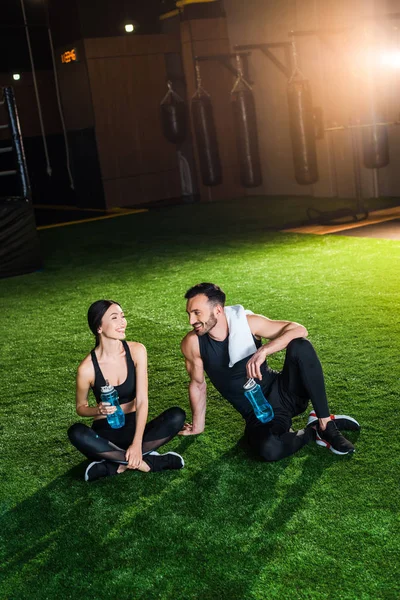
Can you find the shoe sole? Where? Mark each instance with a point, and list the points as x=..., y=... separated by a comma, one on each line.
x=96, y=462
x=312, y=418
x=324, y=444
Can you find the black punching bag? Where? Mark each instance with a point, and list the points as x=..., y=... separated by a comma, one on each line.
x=244, y=114
x=302, y=131
x=375, y=146
x=173, y=117
x=206, y=138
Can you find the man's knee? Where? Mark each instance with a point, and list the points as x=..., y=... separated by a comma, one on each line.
x=271, y=449
x=176, y=417
x=300, y=347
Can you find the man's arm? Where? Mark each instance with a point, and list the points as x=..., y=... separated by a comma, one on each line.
x=279, y=334
x=197, y=385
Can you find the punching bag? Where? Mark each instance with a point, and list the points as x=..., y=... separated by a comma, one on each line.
x=375, y=146
x=302, y=131
x=206, y=138
x=173, y=116
x=244, y=115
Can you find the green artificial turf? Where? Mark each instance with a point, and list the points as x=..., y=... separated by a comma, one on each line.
x=312, y=526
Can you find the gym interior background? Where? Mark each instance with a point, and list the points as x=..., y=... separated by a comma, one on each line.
x=227, y=526
x=111, y=83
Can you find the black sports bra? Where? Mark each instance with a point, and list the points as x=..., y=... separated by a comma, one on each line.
x=127, y=390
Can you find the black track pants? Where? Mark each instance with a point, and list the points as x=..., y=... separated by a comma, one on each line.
x=102, y=442
x=301, y=380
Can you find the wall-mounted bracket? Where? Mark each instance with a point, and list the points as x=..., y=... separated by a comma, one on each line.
x=286, y=68
x=225, y=60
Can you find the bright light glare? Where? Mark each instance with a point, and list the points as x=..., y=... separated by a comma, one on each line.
x=16, y=76
x=129, y=28
x=390, y=59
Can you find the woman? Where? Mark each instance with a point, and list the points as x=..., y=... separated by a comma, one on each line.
x=124, y=365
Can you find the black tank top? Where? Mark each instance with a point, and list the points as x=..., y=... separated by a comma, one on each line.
x=127, y=390
x=229, y=381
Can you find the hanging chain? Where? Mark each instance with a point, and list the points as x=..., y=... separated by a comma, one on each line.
x=240, y=75
x=200, y=90
x=198, y=75
x=239, y=66
x=295, y=56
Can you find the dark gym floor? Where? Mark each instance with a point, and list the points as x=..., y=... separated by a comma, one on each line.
x=46, y=216
x=387, y=227
x=57, y=216
x=389, y=230
x=384, y=223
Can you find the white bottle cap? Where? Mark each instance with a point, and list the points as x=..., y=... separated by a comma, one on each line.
x=107, y=389
x=250, y=384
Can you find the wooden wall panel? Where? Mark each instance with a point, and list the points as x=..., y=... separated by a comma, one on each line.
x=134, y=155
x=113, y=84
x=130, y=45
x=27, y=104
x=129, y=191
x=204, y=29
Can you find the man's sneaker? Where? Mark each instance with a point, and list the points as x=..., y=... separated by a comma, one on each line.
x=163, y=462
x=332, y=439
x=341, y=421
x=100, y=468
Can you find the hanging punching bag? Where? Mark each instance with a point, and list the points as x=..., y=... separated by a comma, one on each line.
x=302, y=131
x=206, y=138
x=244, y=114
x=375, y=146
x=173, y=116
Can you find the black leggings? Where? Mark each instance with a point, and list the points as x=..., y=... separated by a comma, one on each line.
x=102, y=442
x=300, y=380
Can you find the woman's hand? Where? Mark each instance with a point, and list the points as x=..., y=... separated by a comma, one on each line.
x=105, y=408
x=134, y=455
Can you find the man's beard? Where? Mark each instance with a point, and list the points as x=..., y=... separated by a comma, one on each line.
x=207, y=326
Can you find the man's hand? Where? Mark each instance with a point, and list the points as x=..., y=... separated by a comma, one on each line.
x=188, y=429
x=253, y=367
x=134, y=456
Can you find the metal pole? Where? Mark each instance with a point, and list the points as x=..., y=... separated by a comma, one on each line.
x=332, y=165
x=356, y=169
x=60, y=110
x=28, y=39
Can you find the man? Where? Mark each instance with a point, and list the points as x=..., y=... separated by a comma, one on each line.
x=206, y=349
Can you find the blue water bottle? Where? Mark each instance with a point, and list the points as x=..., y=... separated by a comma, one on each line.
x=262, y=408
x=109, y=395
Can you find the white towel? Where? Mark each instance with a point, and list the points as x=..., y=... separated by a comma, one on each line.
x=241, y=342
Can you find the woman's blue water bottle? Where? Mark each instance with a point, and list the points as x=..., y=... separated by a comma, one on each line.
x=109, y=395
x=262, y=408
